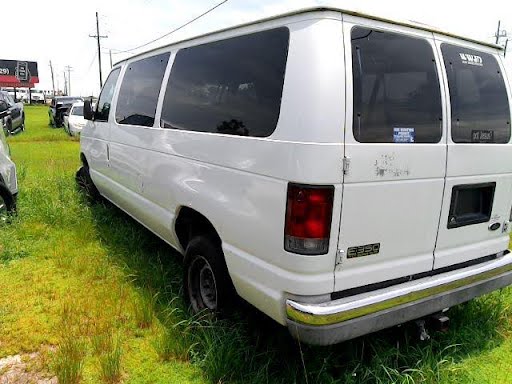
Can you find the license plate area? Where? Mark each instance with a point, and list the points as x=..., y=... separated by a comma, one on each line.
x=471, y=204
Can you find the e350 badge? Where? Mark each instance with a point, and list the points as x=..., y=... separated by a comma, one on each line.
x=363, y=250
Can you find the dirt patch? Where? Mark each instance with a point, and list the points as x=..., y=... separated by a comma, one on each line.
x=16, y=370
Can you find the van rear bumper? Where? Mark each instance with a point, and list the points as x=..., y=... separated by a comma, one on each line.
x=349, y=317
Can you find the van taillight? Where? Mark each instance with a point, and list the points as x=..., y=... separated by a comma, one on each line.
x=308, y=219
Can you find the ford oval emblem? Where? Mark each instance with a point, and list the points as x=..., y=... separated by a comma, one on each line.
x=494, y=227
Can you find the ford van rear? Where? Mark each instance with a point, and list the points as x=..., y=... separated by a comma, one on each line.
x=342, y=173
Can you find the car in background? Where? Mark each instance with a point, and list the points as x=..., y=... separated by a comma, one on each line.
x=19, y=96
x=58, y=107
x=8, y=179
x=14, y=121
x=37, y=96
x=74, y=119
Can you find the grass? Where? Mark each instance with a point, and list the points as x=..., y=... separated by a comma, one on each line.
x=100, y=297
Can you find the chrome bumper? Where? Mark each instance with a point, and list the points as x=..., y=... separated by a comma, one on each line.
x=350, y=317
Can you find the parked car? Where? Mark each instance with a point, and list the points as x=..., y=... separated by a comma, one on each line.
x=74, y=119
x=342, y=173
x=14, y=121
x=37, y=96
x=8, y=180
x=58, y=107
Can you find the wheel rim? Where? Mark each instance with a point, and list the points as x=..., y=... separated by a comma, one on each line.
x=202, y=285
x=3, y=210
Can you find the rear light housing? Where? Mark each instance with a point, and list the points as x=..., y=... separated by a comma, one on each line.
x=308, y=219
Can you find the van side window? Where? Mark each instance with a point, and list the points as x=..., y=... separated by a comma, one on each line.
x=107, y=93
x=479, y=101
x=138, y=96
x=233, y=86
x=397, y=94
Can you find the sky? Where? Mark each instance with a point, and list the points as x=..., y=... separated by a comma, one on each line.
x=59, y=30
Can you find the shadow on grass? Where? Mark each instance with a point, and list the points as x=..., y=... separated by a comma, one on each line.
x=249, y=347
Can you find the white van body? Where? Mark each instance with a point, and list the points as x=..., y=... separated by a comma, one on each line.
x=399, y=246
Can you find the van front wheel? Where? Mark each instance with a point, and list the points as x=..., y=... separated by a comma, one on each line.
x=85, y=183
x=207, y=283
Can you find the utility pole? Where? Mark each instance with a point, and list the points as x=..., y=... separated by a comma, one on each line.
x=110, y=53
x=53, y=81
x=68, y=68
x=98, y=37
x=65, y=84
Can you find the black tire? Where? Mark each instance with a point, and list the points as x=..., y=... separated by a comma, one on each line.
x=205, y=265
x=9, y=127
x=23, y=122
x=85, y=183
x=7, y=199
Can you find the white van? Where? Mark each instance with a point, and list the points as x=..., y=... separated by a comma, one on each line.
x=340, y=172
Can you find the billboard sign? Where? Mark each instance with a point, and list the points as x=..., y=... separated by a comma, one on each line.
x=18, y=73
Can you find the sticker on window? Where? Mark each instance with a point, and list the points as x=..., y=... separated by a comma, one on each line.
x=471, y=59
x=403, y=135
x=481, y=136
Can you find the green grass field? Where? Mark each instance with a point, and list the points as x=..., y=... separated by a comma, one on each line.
x=96, y=298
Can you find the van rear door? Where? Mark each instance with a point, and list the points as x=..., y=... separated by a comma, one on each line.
x=477, y=199
x=395, y=149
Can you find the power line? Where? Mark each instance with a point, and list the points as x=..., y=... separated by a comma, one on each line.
x=172, y=31
x=92, y=62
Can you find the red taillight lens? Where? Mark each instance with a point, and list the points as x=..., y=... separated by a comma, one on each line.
x=308, y=219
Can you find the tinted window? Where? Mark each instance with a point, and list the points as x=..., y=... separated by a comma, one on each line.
x=397, y=96
x=78, y=111
x=479, y=101
x=138, y=96
x=232, y=86
x=107, y=93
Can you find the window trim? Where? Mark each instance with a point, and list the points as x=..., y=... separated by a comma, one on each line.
x=439, y=68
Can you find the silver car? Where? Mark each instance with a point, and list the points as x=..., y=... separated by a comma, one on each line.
x=8, y=179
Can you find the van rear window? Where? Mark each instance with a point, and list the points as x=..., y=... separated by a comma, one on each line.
x=232, y=86
x=479, y=101
x=397, y=95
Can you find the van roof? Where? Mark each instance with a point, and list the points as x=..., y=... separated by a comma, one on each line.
x=407, y=23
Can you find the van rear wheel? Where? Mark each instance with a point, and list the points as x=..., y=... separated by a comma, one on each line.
x=207, y=283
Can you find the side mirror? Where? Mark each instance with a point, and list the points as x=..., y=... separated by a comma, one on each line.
x=88, y=113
